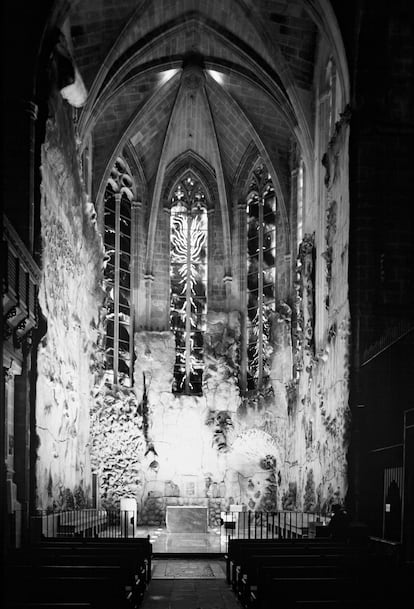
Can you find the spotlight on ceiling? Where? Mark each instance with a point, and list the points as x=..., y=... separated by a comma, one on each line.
x=218, y=76
x=166, y=75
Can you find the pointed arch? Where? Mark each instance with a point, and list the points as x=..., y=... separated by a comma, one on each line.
x=191, y=161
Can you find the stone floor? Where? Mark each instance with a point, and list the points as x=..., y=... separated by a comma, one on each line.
x=189, y=584
x=188, y=569
x=213, y=542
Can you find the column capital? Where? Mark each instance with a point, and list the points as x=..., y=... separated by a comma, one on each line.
x=137, y=205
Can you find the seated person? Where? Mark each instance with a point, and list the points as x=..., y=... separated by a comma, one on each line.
x=339, y=523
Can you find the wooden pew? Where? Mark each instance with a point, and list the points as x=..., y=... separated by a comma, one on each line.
x=81, y=522
x=335, y=604
x=133, y=563
x=100, y=592
x=136, y=551
x=264, y=566
x=278, y=592
x=55, y=605
x=126, y=564
x=240, y=551
x=239, y=546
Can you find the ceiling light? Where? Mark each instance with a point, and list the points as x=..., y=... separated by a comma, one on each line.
x=218, y=76
x=166, y=75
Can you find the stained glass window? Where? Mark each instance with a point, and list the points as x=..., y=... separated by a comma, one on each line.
x=188, y=280
x=261, y=254
x=118, y=348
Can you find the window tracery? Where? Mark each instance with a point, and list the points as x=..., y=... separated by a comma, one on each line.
x=117, y=241
x=261, y=254
x=188, y=282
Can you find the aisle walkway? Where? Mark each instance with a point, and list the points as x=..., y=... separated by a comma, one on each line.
x=189, y=584
x=163, y=542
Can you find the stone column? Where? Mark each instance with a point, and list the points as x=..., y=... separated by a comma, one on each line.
x=136, y=222
x=118, y=198
x=167, y=218
x=11, y=373
x=241, y=248
x=31, y=109
x=149, y=280
x=22, y=435
x=227, y=280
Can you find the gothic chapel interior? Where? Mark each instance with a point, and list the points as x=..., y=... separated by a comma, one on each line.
x=207, y=259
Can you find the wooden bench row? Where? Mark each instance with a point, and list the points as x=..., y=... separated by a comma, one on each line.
x=272, y=573
x=99, y=591
x=241, y=549
x=106, y=574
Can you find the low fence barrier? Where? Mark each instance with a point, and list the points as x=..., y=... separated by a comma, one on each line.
x=85, y=523
x=273, y=525
x=241, y=524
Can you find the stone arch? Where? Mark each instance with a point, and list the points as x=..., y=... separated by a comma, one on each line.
x=323, y=15
x=190, y=161
x=140, y=183
x=250, y=158
x=249, y=161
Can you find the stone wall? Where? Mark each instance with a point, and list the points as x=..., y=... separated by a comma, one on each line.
x=70, y=298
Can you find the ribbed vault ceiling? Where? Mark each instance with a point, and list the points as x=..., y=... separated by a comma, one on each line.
x=256, y=63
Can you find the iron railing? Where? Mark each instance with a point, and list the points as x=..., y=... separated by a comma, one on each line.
x=85, y=523
x=273, y=525
x=242, y=524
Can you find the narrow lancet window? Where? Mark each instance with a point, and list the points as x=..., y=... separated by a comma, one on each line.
x=118, y=347
x=261, y=254
x=188, y=278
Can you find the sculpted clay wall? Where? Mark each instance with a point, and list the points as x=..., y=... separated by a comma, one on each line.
x=163, y=449
x=319, y=415
x=70, y=297
x=273, y=450
x=283, y=447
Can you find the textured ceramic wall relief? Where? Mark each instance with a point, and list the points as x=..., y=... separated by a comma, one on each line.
x=71, y=259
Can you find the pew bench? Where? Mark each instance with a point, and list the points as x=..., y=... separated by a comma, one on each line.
x=250, y=579
x=83, y=522
x=279, y=592
x=126, y=565
x=55, y=605
x=237, y=560
x=135, y=552
x=99, y=591
x=239, y=548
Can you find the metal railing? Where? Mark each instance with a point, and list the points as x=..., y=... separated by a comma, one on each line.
x=273, y=525
x=243, y=524
x=84, y=523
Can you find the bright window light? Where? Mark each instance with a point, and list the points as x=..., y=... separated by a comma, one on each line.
x=167, y=74
x=218, y=76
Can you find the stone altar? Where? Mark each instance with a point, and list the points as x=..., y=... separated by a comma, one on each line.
x=186, y=519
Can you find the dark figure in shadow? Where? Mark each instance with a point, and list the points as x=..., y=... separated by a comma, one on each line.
x=339, y=523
